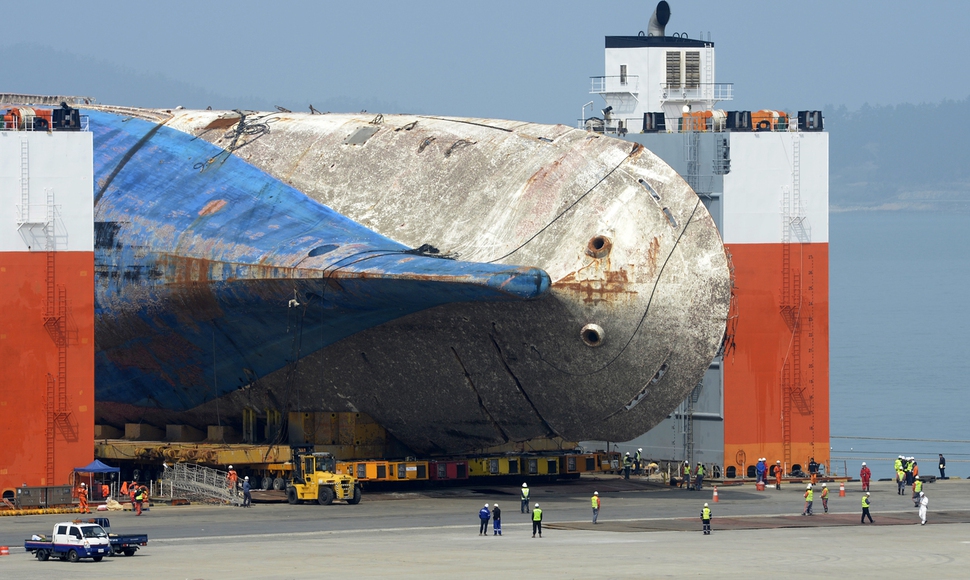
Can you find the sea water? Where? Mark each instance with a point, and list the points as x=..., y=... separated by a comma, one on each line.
x=900, y=340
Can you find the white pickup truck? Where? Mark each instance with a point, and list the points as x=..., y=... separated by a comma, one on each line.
x=71, y=541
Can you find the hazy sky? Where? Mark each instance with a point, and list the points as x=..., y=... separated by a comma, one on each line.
x=524, y=59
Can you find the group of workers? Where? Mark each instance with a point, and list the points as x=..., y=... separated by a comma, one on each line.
x=697, y=475
x=495, y=515
x=633, y=462
x=810, y=499
x=232, y=481
x=138, y=494
x=907, y=472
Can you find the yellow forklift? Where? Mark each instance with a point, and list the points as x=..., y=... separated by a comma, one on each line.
x=315, y=478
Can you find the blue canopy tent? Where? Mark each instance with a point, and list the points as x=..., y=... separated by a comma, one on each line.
x=96, y=467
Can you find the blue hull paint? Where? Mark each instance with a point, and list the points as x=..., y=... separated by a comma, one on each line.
x=198, y=255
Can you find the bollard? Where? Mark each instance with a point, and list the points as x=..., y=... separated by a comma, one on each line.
x=715, y=494
x=842, y=489
x=4, y=551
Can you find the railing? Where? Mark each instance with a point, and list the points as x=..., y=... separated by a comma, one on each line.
x=622, y=126
x=26, y=123
x=199, y=483
x=697, y=92
x=615, y=84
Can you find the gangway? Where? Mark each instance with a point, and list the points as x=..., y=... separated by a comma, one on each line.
x=199, y=483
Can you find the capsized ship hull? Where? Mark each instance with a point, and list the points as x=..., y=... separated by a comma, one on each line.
x=267, y=260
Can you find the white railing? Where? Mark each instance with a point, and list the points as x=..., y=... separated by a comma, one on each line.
x=698, y=92
x=200, y=483
x=615, y=84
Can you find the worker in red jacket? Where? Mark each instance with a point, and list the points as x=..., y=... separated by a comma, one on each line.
x=864, y=475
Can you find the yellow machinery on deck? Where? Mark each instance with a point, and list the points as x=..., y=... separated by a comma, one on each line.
x=315, y=478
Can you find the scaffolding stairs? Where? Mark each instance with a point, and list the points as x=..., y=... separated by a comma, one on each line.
x=200, y=483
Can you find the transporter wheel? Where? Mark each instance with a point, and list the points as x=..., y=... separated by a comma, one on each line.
x=291, y=496
x=356, y=499
x=266, y=483
x=72, y=556
x=279, y=484
x=324, y=495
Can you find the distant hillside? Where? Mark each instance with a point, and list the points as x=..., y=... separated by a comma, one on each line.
x=111, y=84
x=900, y=157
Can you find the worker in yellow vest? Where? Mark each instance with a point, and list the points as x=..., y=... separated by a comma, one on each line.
x=900, y=481
x=809, y=498
x=706, y=519
x=825, y=497
x=596, y=505
x=686, y=474
x=525, y=497
x=699, y=476
x=865, y=508
x=917, y=489
x=536, y=521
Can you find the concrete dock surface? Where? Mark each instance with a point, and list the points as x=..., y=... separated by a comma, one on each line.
x=645, y=530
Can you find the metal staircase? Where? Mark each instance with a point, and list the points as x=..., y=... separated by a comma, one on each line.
x=199, y=483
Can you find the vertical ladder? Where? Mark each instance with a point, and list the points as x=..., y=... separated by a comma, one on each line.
x=51, y=414
x=709, y=74
x=62, y=351
x=24, y=181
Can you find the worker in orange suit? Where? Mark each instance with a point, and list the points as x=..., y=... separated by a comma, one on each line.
x=82, y=498
x=139, y=498
x=231, y=478
x=105, y=490
x=778, y=474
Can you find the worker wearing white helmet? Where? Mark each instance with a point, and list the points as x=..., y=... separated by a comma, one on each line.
x=247, y=493
x=864, y=475
x=627, y=464
x=496, y=520
x=923, y=502
x=525, y=497
x=82, y=498
x=484, y=515
x=706, y=519
x=825, y=497
x=809, y=498
x=231, y=478
x=536, y=521
x=917, y=489
x=866, y=502
x=595, y=501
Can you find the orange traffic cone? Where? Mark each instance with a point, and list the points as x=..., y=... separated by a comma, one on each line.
x=842, y=489
x=715, y=494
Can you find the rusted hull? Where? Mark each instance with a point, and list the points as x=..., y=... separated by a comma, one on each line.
x=589, y=295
